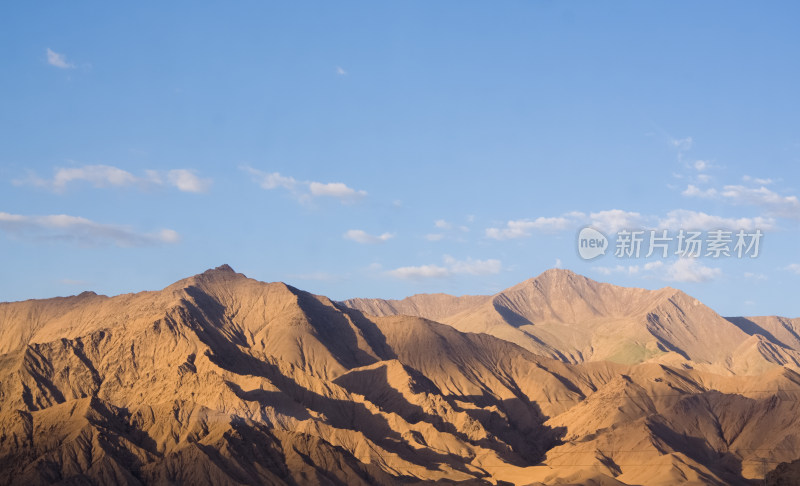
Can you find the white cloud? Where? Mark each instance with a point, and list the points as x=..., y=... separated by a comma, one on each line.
x=783, y=206
x=166, y=236
x=613, y=220
x=653, y=265
x=422, y=271
x=58, y=60
x=682, y=270
x=451, y=267
x=340, y=71
x=81, y=230
x=755, y=276
x=447, y=229
x=96, y=175
x=757, y=180
x=271, y=180
x=557, y=264
x=304, y=190
x=774, y=203
x=442, y=224
x=609, y=220
x=335, y=189
x=694, y=191
x=690, y=270
x=187, y=181
x=102, y=176
x=620, y=269
x=360, y=236
x=695, y=220
x=523, y=227
x=794, y=267
x=473, y=267
x=682, y=143
x=701, y=165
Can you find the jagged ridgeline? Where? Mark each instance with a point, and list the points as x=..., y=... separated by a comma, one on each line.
x=221, y=379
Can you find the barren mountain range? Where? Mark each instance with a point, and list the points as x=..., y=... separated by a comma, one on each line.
x=220, y=379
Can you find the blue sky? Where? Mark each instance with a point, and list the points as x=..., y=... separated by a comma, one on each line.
x=380, y=149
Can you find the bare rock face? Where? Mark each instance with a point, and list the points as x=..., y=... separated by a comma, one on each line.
x=786, y=474
x=569, y=317
x=220, y=379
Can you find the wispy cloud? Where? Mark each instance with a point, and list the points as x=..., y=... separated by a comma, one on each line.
x=340, y=71
x=58, y=60
x=102, y=176
x=681, y=270
x=450, y=267
x=774, y=203
x=442, y=224
x=524, y=227
x=420, y=272
x=794, y=267
x=757, y=180
x=187, y=181
x=271, y=180
x=694, y=191
x=96, y=175
x=616, y=219
x=618, y=269
x=608, y=220
x=696, y=220
x=682, y=144
x=770, y=201
x=338, y=190
x=449, y=230
x=361, y=236
x=690, y=270
x=305, y=190
x=613, y=220
x=473, y=267
x=81, y=230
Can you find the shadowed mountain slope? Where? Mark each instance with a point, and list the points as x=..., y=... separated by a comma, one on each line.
x=574, y=319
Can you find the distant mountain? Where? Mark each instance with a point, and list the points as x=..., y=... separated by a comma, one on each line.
x=574, y=319
x=221, y=379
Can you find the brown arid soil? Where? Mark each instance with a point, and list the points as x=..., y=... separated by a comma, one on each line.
x=220, y=379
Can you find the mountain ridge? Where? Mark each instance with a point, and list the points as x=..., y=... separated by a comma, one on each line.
x=222, y=379
x=539, y=312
